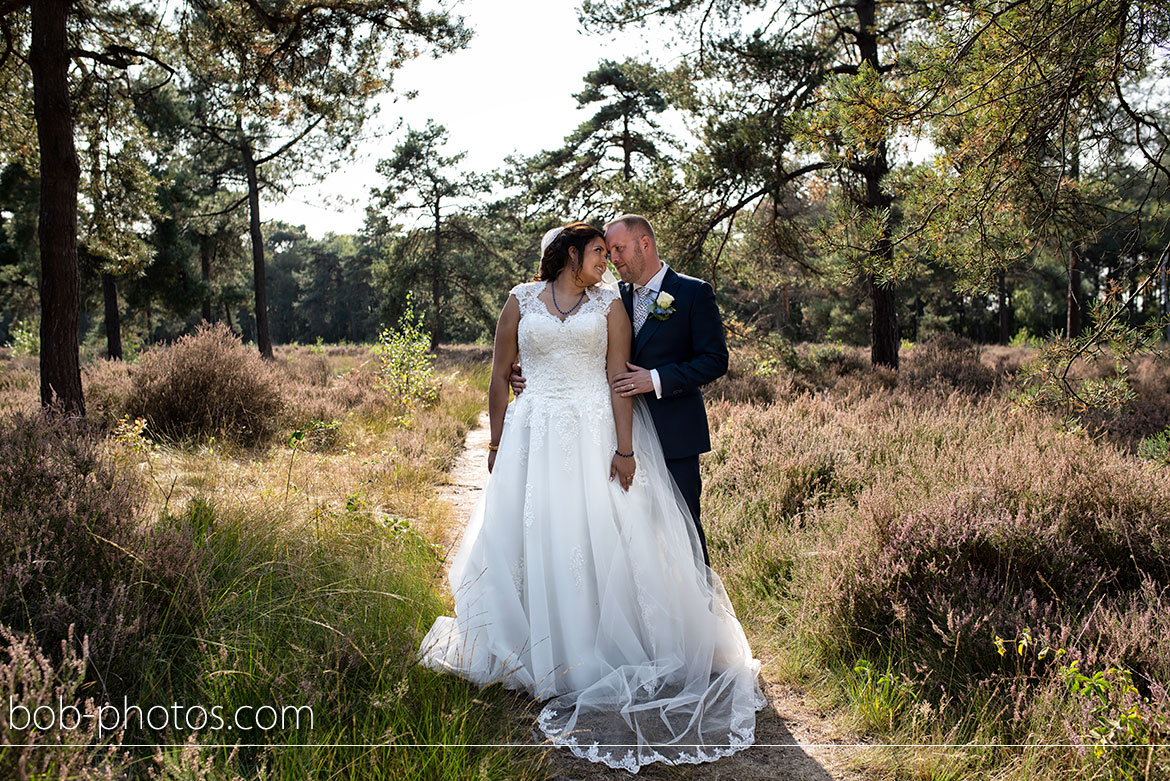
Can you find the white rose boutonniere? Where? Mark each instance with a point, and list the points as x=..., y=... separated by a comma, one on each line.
x=661, y=308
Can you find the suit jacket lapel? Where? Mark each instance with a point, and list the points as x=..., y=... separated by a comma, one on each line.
x=627, y=291
x=652, y=324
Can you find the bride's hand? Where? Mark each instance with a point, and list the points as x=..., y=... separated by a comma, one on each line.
x=491, y=460
x=622, y=467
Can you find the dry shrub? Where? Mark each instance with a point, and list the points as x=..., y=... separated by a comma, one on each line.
x=751, y=379
x=107, y=386
x=309, y=367
x=307, y=387
x=18, y=362
x=920, y=527
x=33, y=686
x=68, y=520
x=312, y=368
x=947, y=360
x=13, y=379
x=319, y=389
x=75, y=553
x=1148, y=413
x=1006, y=361
x=20, y=388
x=358, y=389
x=207, y=383
x=760, y=373
x=1145, y=415
x=353, y=392
x=307, y=403
x=830, y=362
x=348, y=351
x=874, y=380
x=462, y=357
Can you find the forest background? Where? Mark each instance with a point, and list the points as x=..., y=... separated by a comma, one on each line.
x=795, y=193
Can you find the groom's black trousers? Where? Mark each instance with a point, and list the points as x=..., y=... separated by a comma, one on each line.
x=685, y=472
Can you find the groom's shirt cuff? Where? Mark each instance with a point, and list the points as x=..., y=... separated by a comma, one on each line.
x=657, y=383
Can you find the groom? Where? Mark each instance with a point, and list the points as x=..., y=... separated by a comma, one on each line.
x=678, y=346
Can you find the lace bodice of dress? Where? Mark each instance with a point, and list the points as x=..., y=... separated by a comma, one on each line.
x=563, y=356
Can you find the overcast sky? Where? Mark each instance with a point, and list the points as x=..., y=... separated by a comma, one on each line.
x=511, y=90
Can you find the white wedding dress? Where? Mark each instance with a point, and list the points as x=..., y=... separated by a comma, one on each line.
x=581, y=593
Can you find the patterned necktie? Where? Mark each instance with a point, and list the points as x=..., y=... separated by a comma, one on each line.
x=642, y=298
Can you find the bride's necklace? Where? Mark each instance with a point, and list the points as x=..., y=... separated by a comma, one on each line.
x=574, y=306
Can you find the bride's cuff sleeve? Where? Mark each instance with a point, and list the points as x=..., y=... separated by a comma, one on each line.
x=657, y=382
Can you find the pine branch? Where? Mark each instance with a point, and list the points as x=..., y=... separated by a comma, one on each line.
x=119, y=56
x=291, y=143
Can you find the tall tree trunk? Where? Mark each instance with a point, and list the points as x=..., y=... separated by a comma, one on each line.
x=1075, y=250
x=227, y=316
x=1073, y=324
x=1004, y=319
x=205, y=267
x=113, y=319
x=337, y=320
x=1166, y=291
x=60, y=286
x=263, y=338
x=883, y=331
x=627, y=148
x=884, y=337
x=436, y=278
x=884, y=325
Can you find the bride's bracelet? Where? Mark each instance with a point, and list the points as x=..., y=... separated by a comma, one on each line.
x=624, y=455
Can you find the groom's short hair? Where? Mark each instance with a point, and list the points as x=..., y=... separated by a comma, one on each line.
x=636, y=223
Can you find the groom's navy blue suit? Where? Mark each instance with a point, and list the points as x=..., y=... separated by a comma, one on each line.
x=689, y=350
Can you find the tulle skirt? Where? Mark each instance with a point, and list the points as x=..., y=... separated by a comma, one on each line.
x=596, y=599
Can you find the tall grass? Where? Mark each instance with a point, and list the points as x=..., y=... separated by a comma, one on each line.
x=328, y=618
x=278, y=574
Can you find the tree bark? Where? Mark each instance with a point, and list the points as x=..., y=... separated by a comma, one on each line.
x=884, y=337
x=1004, y=315
x=1073, y=323
x=627, y=146
x=60, y=286
x=436, y=279
x=884, y=325
x=205, y=268
x=785, y=307
x=1075, y=250
x=1166, y=291
x=113, y=319
x=263, y=338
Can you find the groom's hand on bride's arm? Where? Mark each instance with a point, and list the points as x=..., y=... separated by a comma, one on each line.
x=516, y=379
x=636, y=380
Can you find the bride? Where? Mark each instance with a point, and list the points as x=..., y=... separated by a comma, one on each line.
x=580, y=578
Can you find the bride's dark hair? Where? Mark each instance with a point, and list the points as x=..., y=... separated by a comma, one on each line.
x=556, y=255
